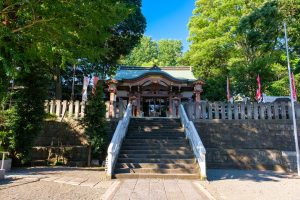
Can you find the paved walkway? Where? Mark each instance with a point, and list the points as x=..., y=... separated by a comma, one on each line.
x=160, y=189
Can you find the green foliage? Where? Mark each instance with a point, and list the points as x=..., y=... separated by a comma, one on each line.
x=28, y=112
x=94, y=122
x=242, y=39
x=160, y=53
x=125, y=36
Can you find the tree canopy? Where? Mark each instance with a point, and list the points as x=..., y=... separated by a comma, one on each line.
x=148, y=52
x=241, y=39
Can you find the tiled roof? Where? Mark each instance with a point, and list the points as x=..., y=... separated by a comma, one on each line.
x=180, y=73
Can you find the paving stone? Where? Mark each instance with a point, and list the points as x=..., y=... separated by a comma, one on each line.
x=76, y=181
x=63, y=180
x=157, y=190
x=172, y=190
x=103, y=184
x=125, y=189
x=90, y=183
x=141, y=190
x=50, y=178
x=189, y=190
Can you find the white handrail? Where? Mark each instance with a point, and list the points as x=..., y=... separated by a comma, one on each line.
x=116, y=142
x=195, y=141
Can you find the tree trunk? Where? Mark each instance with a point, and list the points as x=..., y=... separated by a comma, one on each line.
x=58, y=87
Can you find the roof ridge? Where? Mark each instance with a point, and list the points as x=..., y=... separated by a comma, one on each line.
x=161, y=67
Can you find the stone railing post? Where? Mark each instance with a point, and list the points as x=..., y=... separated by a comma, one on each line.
x=229, y=111
x=210, y=110
x=77, y=105
x=283, y=110
x=255, y=110
x=64, y=108
x=236, y=111
x=262, y=111
x=58, y=108
x=269, y=111
x=223, y=116
x=290, y=112
x=249, y=110
x=276, y=110
x=71, y=108
x=217, y=115
x=52, y=107
x=46, y=106
x=242, y=110
x=82, y=108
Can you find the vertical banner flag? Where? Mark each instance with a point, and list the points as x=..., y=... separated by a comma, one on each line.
x=95, y=81
x=258, y=91
x=294, y=90
x=228, y=89
x=84, y=89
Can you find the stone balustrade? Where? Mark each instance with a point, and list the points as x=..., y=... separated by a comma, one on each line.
x=75, y=109
x=240, y=111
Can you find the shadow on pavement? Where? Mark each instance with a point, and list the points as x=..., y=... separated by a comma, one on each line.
x=253, y=175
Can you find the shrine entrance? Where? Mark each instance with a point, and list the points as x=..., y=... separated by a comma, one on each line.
x=155, y=107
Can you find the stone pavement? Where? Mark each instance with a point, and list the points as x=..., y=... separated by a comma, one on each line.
x=160, y=189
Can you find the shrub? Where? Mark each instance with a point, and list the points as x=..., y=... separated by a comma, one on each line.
x=94, y=122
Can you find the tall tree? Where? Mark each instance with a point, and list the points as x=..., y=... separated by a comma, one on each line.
x=39, y=35
x=125, y=36
x=150, y=52
x=145, y=52
x=169, y=52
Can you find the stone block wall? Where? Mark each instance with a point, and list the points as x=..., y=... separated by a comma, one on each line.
x=248, y=144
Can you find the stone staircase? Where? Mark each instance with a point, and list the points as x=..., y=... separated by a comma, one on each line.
x=156, y=148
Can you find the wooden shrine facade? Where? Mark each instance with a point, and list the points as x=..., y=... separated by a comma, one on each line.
x=153, y=92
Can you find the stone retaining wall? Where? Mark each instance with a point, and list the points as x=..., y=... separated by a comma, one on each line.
x=248, y=144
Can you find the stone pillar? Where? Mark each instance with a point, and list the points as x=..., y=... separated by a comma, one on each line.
x=138, y=105
x=170, y=105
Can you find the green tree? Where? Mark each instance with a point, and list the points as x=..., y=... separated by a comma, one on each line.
x=36, y=39
x=150, y=52
x=143, y=53
x=242, y=39
x=169, y=52
x=28, y=112
x=125, y=36
x=94, y=121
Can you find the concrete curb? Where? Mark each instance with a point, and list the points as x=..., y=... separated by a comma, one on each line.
x=204, y=191
x=108, y=195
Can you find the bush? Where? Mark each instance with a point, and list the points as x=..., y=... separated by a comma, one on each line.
x=94, y=122
x=27, y=115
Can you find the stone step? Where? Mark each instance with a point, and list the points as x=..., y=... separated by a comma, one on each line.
x=156, y=156
x=143, y=137
x=155, y=151
x=155, y=147
x=155, y=170
x=156, y=132
x=175, y=135
x=156, y=175
x=156, y=165
x=156, y=141
x=156, y=160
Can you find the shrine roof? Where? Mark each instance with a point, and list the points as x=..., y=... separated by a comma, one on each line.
x=179, y=73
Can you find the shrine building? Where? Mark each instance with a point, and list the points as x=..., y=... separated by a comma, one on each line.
x=153, y=91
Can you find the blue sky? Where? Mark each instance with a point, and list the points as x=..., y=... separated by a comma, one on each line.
x=168, y=19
